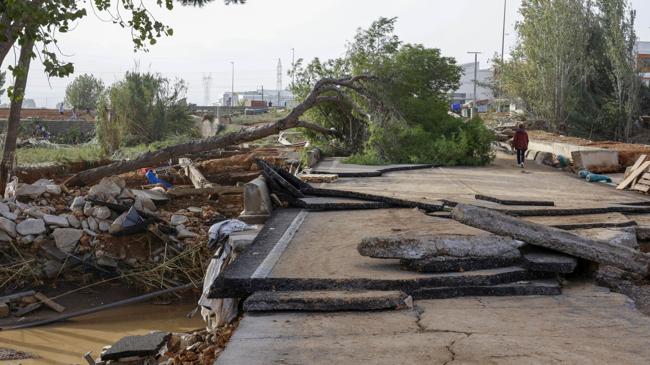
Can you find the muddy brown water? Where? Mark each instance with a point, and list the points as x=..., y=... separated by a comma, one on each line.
x=65, y=343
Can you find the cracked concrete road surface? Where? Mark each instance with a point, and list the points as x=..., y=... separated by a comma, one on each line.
x=587, y=324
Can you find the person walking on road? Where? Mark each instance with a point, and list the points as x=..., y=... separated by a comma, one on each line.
x=520, y=144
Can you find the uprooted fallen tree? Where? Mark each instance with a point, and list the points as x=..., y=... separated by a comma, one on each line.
x=325, y=90
x=556, y=239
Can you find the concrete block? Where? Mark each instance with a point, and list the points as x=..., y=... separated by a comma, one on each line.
x=257, y=200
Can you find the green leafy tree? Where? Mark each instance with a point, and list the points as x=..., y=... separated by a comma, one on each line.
x=142, y=108
x=35, y=26
x=84, y=92
x=400, y=114
x=574, y=66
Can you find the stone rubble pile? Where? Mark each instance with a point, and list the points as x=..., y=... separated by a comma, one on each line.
x=58, y=227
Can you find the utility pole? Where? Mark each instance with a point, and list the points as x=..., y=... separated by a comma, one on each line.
x=232, y=88
x=474, y=106
x=262, y=92
x=293, y=65
x=503, y=32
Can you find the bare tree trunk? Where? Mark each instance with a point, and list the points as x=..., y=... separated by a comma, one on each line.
x=290, y=121
x=9, y=148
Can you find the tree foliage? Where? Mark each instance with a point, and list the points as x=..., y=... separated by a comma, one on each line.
x=574, y=66
x=142, y=108
x=43, y=21
x=84, y=92
x=400, y=114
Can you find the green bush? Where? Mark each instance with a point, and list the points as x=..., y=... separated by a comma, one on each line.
x=141, y=109
x=469, y=144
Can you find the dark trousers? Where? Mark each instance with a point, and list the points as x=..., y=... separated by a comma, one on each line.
x=521, y=156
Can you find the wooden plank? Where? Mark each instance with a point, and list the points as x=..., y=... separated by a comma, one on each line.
x=49, y=302
x=638, y=162
x=198, y=180
x=646, y=176
x=27, y=309
x=643, y=181
x=641, y=188
x=633, y=176
x=180, y=191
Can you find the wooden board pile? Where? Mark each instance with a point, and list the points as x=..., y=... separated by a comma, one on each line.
x=637, y=177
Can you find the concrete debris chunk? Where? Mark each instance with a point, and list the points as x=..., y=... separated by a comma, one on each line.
x=78, y=203
x=92, y=224
x=4, y=237
x=34, y=212
x=107, y=188
x=31, y=226
x=102, y=212
x=73, y=221
x=144, y=204
x=4, y=208
x=104, y=226
x=129, y=346
x=89, y=209
x=56, y=220
x=66, y=239
x=31, y=191
x=10, y=215
x=177, y=219
x=8, y=226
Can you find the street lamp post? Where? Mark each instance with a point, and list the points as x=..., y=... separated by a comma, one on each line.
x=293, y=65
x=474, y=106
x=232, y=88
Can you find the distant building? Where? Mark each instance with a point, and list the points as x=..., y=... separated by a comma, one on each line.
x=643, y=61
x=284, y=98
x=465, y=92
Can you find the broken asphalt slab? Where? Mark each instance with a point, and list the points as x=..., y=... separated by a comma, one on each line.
x=299, y=251
x=335, y=165
x=325, y=301
x=129, y=346
x=586, y=324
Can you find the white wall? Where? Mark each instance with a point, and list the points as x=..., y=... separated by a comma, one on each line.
x=467, y=83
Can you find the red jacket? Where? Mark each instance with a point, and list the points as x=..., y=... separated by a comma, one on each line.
x=520, y=140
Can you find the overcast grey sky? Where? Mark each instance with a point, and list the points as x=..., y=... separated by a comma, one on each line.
x=255, y=35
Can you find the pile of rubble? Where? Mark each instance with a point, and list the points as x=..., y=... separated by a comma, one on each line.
x=53, y=229
x=196, y=348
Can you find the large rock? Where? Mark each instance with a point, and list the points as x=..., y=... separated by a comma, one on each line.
x=177, y=219
x=107, y=189
x=31, y=191
x=73, y=221
x=78, y=203
x=31, y=226
x=66, y=239
x=4, y=208
x=414, y=247
x=92, y=224
x=56, y=220
x=144, y=204
x=102, y=212
x=8, y=226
